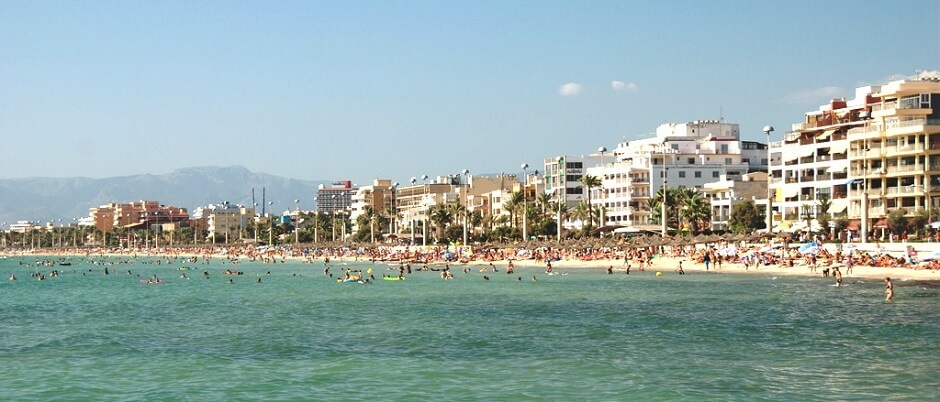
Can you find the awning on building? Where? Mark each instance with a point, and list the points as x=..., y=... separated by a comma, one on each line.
x=854, y=224
x=881, y=224
x=838, y=205
x=825, y=134
x=839, y=147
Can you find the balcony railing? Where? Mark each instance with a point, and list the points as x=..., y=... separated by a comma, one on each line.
x=904, y=190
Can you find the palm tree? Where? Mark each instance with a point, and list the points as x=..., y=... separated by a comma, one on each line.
x=695, y=210
x=545, y=200
x=589, y=183
x=442, y=215
x=581, y=211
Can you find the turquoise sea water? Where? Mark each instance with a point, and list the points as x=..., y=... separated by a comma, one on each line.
x=584, y=336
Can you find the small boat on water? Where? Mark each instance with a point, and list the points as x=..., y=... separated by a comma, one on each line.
x=393, y=278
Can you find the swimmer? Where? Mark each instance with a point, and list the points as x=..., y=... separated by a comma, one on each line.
x=533, y=279
x=889, y=289
x=12, y=277
x=838, y=276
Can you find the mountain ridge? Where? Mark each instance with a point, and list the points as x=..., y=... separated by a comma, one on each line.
x=45, y=199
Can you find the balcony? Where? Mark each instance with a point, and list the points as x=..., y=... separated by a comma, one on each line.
x=903, y=169
x=905, y=190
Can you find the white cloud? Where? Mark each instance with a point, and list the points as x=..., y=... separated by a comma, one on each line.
x=623, y=86
x=570, y=89
x=817, y=95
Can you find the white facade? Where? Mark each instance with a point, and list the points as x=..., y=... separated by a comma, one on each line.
x=723, y=195
x=225, y=219
x=681, y=154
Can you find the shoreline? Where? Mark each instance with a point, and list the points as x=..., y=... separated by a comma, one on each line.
x=664, y=264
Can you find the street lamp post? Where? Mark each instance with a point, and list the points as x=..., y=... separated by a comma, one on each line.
x=466, y=221
x=413, y=181
x=393, y=210
x=663, y=210
x=770, y=217
x=333, y=212
x=270, y=226
x=424, y=220
x=562, y=193
x=525, y=206
x=297, y=224
x=256, y=223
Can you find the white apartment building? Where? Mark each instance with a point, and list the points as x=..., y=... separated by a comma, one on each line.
x=723, y=195
x=562, y=177
x=380, y=196
x=231, y=221
x=812, y=163
x=895, y=155
x=681, y=154
x=871, y=155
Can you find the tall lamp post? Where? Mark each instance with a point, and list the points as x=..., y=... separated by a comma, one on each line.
x=270, y=226
x=316, y=218
x=424, y=220
x=333, y=213
x=770, y=217
x=297, y=224
x=525, y=206
x=414, y=180
x=466, y=221
x=562, y=190
x=663, y=210
x=393, y=211
x=256, y=224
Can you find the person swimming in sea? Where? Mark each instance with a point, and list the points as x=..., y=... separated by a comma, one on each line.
x=889, y=289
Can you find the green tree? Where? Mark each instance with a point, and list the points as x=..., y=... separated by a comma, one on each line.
x=442, y=216
x=897, y=222
x=746, y=217
x=919, y=221
x=589, y=183
x=823, y=203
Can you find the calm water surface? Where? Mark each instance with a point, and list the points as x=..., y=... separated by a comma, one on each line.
x=299, y=335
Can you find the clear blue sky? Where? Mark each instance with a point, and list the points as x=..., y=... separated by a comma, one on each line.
x=395, y=89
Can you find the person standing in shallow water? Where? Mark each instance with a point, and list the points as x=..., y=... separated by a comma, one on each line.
x=889, y=289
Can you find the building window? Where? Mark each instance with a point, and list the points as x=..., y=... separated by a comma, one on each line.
x=698, y=174
x=715, y=174
x=724, y=148
x=675, y=147
x=763, y=161
x=691, y=161
x=681, y=174
x=727, y=161
x=746, y=160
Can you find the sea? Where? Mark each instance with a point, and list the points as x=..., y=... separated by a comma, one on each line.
x=579, y=335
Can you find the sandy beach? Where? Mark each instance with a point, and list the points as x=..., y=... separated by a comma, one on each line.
x=665, y=264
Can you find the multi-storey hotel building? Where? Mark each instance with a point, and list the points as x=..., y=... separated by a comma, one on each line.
x=871, y=155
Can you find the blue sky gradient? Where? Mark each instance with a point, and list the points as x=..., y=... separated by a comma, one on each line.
x=395, y=89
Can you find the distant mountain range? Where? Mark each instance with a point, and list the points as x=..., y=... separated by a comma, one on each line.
x=44, y=199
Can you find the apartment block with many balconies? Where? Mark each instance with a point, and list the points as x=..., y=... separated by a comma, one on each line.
x=894, y=155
